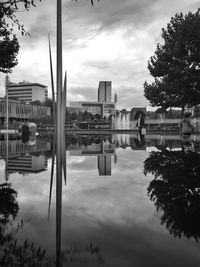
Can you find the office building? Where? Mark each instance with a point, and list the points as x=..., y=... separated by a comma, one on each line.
x=104, y=91
x=103, y=107
x=19, y=110
x=28, y=91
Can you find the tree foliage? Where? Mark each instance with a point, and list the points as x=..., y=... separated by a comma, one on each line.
x=175, y=190
x=9, y=8
x=175, y=65
x=9, y=47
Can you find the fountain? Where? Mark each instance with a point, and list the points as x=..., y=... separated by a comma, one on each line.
x=122, y=121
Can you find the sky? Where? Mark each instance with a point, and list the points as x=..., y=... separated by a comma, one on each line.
x=110, y=41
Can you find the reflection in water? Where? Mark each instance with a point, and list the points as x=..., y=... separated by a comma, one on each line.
x=13, y=253
x=175, y=189
x=91, y=255
x=24, y=158
x=8, y=204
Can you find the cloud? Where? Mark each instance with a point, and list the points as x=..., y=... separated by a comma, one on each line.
x=83, y=93
x=113, y=40
x=130, y=97
x=87, y=163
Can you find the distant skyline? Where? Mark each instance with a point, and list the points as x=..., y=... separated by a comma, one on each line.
x=113, y=41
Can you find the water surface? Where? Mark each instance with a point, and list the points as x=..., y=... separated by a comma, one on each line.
x=128, y=201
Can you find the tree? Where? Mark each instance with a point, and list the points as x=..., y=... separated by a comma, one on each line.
x=36, y=102
x=175, y=65
x=9, y=8
x=48, y=103
x=175, y=190
x=9, y=47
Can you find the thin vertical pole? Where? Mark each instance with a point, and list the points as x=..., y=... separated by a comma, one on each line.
x=52, y=86
x=6, y=86
x=6, y=165
x=58, y=137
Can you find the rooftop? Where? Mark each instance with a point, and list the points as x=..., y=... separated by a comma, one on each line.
x=21, y=84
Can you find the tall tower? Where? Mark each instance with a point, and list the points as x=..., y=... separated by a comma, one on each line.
x=104, y=91
x=115, y=98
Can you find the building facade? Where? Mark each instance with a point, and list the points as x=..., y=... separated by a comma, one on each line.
x=27, y=91
x=104, y=91
x=103, y=107
x=20, y=110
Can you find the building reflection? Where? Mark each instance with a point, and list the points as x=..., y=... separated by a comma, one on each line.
x=17, y=148
x=105, y=147
x=104, y=165
x=27, y=164
x=22, y=157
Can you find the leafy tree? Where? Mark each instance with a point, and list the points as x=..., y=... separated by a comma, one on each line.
x=48, y=103
x=9, y=47
x=137, y=113
x=36, y=102
x=123, y=111
x=175, y=65
x=175, y=190
x=74, y=116
x=9, y=8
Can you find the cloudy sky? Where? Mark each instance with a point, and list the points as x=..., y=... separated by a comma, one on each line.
x=113, y=40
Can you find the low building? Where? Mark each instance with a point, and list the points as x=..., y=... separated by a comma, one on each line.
x=27, y=91
x=20, y=110
x=103, y=107
x=100, y=108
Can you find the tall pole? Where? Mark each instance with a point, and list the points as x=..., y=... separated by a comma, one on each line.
x=6, y=87
x=52, y=86
x=58, y=134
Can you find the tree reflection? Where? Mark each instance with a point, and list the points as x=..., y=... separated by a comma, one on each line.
x=175, y=190
x=8, y=204
x=13, y=253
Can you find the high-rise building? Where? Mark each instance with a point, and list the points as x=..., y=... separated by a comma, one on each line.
x=104, y=91
x=28, y=91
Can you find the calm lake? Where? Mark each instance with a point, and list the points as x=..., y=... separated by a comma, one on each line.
x=128, y=201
